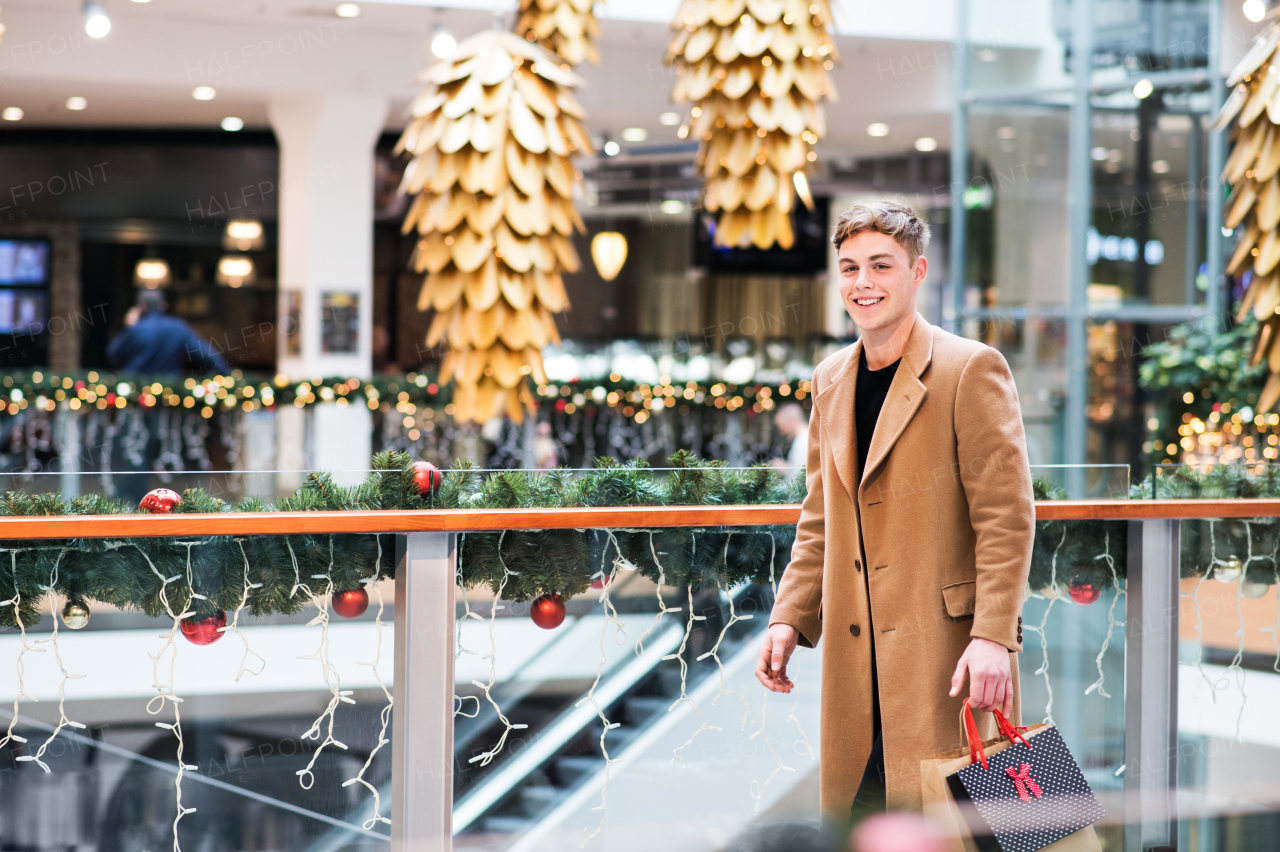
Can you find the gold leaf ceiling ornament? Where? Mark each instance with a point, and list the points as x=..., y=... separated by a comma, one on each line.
x=492, y=134
x=756, y=74
x=567, y=28
x=1251, y=115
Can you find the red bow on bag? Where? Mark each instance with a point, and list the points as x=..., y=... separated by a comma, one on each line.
x=1024, y=782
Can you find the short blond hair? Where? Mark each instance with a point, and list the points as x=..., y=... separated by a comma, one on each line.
x=886, y=217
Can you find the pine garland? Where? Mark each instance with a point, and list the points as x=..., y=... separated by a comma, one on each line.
x=208, y=571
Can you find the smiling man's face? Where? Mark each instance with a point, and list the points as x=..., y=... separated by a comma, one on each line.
x=877, y=280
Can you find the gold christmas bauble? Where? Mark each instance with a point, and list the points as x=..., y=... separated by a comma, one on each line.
x=75, y=615
x=1228, y=571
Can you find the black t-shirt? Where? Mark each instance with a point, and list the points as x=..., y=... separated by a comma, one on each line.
x=873, y=387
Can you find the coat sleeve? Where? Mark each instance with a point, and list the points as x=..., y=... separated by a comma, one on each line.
x=992, y=455
x=799, y=599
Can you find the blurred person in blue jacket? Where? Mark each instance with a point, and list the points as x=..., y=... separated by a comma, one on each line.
x=156, y=344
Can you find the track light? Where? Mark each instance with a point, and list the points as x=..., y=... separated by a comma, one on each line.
x=443, y=44
x=96, y=22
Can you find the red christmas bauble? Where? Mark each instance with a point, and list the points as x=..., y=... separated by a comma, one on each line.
x=204, y=631
x=1083, y=592
x=160, y=501
x=547, y=611
x=427, y=477
x=350, y=604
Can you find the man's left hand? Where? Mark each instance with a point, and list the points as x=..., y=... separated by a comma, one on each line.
x=990, y=679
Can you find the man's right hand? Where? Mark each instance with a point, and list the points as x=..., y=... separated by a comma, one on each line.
x=771, y=667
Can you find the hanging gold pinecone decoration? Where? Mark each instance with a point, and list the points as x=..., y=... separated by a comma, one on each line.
x=567, y=28
x=1252, y=111
x=491, y=135
x=756, y=73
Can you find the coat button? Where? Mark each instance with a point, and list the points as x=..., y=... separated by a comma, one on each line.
x=855, y=629
x=857, y=565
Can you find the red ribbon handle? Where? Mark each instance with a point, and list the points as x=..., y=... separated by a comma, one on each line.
x=976, y=753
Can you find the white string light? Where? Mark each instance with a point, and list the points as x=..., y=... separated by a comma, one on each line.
x=16, y=603
x=386, y=709
x=63, y=721
x=487, y=757
x=458, y=646
x=714, y=654
x=235, y=622
x=337, y=695
x=620, y=638
x=678, y=754
x=1112, y=622
x=662, y=604
x=757, y=789
x=1044, y=620
x=164, y=688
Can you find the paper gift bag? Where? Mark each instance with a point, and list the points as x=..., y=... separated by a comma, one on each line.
x=966, y=823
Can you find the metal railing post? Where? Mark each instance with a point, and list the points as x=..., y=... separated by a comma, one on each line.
x=422, y=721
x=1151, y=684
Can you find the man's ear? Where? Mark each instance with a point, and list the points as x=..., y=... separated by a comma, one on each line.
x=922, y=268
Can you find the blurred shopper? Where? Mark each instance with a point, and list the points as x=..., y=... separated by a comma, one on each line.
x=897, y=832
x=914, y=541
x=156, y=344
x=792, y=423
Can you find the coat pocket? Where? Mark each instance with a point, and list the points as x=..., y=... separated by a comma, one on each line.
x=959, y=598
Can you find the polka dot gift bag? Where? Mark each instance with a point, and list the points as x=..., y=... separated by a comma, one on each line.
x=1025, y=796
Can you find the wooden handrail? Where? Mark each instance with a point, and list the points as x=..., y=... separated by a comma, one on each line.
x=480, y=520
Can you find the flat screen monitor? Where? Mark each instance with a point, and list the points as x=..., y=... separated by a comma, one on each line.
x=24, y=263
x=806, y=256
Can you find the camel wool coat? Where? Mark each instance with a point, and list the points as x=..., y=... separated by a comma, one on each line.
x=944, y=513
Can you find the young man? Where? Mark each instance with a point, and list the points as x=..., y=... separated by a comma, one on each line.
x=915, y=538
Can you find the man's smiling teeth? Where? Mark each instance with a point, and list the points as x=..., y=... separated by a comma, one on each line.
x=866, y=302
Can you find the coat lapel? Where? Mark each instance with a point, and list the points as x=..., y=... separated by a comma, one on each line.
x=905, y=395
x=839, y=424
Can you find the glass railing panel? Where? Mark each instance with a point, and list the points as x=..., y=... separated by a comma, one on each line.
x=262, y=764
x=1072, y=664
x=1229, y=683
x=1083, y=481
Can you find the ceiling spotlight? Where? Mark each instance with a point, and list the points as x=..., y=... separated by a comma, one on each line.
x=988, y=55
x=878, y=129
x=204, y=93
x=1143, y=89
x=1006, y=133
x=347, y=10
x=235, y=271
x=672, y=207
x=1161, y=167
x=77, y=103
x=443, y=44
x=612, y=149
x=12, y=114
x=243, y=235
x=634, y=134
x=1255, y=10
x=96, y=22
x=926, y=144
x=232, y=123
x=1099, y=154
x=151, y=272
x=669, y=119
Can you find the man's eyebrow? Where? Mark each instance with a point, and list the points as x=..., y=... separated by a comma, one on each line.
x=881, y=256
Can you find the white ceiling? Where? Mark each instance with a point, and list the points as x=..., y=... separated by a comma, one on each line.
x=895, y=69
